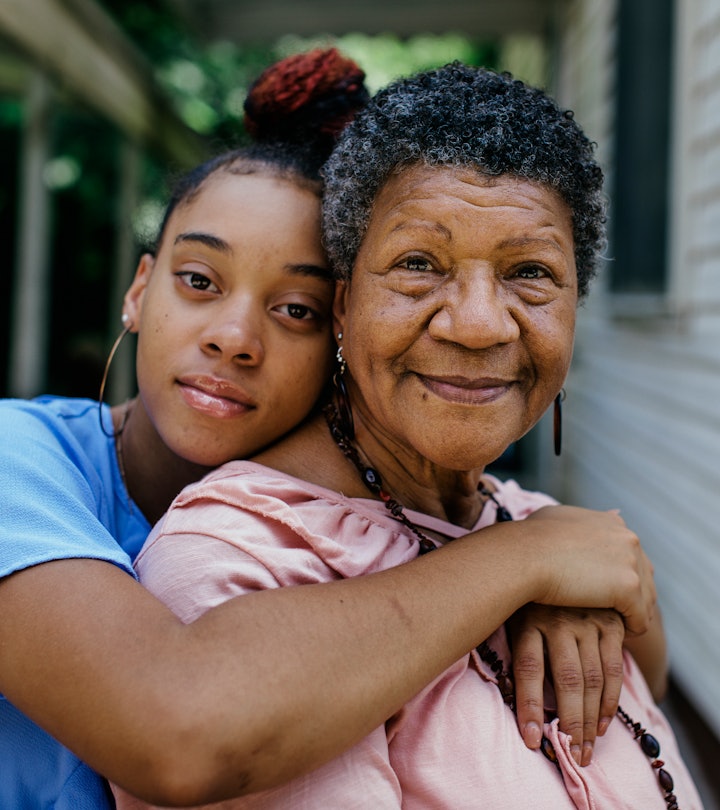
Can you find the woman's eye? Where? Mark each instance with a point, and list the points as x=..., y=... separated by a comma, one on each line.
x=298, y=311
x=532, y=271
x=197, y=281
x=416, y=263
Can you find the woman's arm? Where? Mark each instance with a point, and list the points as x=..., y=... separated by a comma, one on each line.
x=650, y=653
x=272, y=684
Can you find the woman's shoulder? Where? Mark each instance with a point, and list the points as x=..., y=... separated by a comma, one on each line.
x=519, y=501
x=271, y=514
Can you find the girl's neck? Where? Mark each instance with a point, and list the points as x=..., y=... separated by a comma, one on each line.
x=152, y=473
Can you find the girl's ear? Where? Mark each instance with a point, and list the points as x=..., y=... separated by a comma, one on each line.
x=339, y=306
x=132, y=303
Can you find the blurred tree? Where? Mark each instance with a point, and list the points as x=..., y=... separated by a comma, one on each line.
x=208, y=82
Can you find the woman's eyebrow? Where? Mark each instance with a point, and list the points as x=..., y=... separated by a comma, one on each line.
x=532, y=242
x=214, y=242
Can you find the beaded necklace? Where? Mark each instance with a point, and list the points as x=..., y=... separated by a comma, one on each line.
x=372, y=480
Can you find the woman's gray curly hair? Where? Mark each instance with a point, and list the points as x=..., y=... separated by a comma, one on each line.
x=462, y=116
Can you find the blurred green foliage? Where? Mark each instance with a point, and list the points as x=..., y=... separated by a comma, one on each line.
x=208, y=81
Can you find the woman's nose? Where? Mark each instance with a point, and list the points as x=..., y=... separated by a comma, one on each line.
x=235, y=333
x=476, y=312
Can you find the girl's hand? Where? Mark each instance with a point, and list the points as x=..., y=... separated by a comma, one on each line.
x=582, y=650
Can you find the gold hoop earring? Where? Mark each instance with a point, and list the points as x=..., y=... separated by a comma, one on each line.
x=101, y=395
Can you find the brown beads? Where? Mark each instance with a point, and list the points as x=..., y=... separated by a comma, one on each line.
x=649, y=745
x=651, y=748
x=548, y=750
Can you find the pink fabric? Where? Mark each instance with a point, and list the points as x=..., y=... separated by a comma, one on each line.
x=455, y=745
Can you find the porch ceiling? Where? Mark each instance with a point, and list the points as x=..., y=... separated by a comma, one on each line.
x=263, y=20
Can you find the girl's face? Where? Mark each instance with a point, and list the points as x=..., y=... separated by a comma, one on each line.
x=233, y=318
x=458, y=322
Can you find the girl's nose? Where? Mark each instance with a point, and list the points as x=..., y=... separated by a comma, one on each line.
x=235, y=334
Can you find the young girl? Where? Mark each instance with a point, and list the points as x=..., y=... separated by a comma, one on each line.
x=232, y=318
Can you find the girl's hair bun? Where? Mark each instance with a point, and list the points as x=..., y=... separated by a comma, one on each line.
x=305, y=99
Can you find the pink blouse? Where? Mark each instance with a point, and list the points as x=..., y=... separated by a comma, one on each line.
x=455, y=745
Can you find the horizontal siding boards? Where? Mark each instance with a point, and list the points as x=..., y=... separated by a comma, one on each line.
x=642, y=415
x=643, y=434
x=695, y=271
x=678, y=525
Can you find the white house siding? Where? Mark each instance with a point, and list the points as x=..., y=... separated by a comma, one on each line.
x=642, y=415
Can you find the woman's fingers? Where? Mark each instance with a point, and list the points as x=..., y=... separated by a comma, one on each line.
x=529, y=676
x=611, y=655
x=583, y=649
x=577, y=689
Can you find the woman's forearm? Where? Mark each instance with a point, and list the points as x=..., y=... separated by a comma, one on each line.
x=650, y=653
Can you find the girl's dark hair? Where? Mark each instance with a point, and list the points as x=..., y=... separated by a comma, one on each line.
x=294, y=112
x=467, y=117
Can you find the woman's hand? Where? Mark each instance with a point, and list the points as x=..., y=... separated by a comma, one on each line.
x=582, y=649
x=592, y=559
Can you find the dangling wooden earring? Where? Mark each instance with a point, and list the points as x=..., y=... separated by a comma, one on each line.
x=342, y=399
x=557, y=422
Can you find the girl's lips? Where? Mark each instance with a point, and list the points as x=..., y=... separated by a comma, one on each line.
x=463, y=391
x=215, y=397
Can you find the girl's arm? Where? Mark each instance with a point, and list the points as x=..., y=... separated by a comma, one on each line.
x=272, y=684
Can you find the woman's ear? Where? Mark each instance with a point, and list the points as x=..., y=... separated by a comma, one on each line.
x=132, y=303
x=340, y=306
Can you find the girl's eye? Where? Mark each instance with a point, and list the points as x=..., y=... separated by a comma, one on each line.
x=298, y=311
x=197, y=281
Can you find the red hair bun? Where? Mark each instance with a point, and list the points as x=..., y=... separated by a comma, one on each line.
x=312, y=95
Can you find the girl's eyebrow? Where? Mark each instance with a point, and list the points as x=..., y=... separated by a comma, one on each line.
x=214, y=242
x=310, y=270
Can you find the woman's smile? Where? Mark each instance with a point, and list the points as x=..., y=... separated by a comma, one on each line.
x=464, y=391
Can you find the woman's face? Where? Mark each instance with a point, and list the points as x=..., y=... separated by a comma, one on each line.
x=233, y=318
x=458, y=323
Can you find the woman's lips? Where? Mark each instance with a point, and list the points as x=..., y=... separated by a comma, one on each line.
x=214, y=397
x=464, y=391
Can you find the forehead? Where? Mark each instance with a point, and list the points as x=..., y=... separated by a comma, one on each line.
x=464, y=196
x=234, y=199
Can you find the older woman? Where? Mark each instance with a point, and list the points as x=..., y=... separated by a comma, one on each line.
x=463, y=214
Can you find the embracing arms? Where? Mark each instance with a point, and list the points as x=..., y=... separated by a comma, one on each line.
x=271, y=684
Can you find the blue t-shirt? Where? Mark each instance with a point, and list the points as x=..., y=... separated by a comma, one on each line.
x=62, y=496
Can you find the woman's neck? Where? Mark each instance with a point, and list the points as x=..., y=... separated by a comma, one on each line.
x=418, y=484
x=407, y=477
